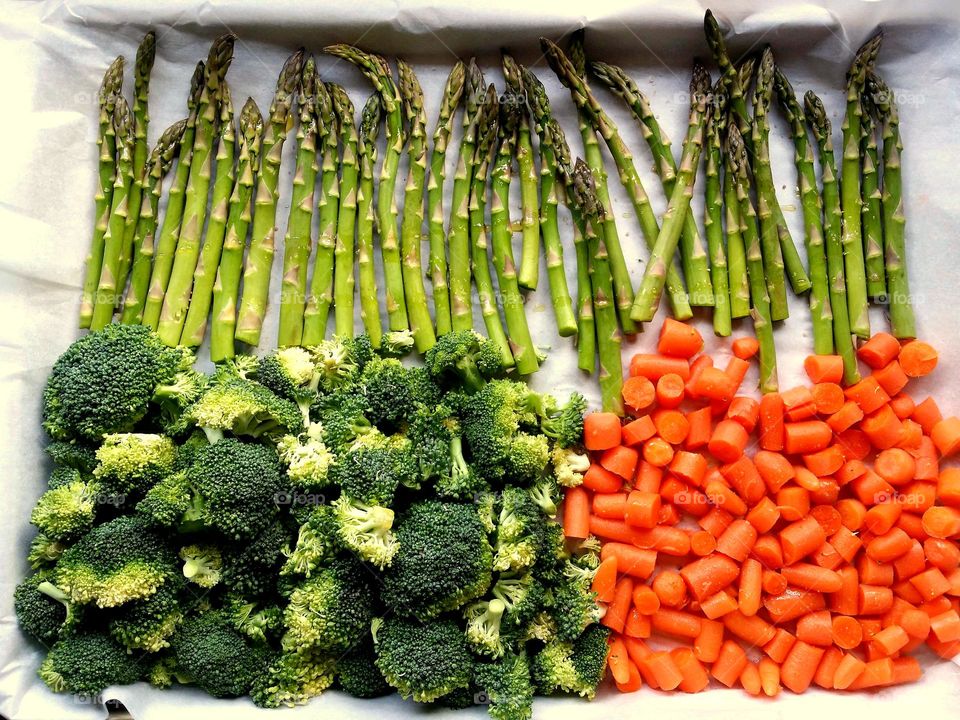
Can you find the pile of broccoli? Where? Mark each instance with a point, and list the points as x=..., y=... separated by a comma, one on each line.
x=322, y=517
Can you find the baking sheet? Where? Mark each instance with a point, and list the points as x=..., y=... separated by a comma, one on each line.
x=54, y=55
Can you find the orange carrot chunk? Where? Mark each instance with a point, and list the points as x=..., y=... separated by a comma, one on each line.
x=576, y=513
x=917, y=358
x=769, y=672
x=771, y=422
x=927, y=414
x=665, y=670
x=601, y=430
x=709, y=575
x=816, y=628
x=601, y=480
x=879, y=350
x=946, y=436
x=620, y=460
x=638, y=393
x=800, y=539
x=695, y=677
x=679, y=339
x=809, y=436
x=654, y=367
x=729, y=663
x=846, y=632
x=824, y=368
x=715, y=384
x=605, y=579
x=892, y=378
x=745, y=347
x=800, y=665
x=849, y=669
x=639, y=430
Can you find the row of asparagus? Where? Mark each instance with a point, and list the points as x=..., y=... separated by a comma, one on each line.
x=175, y=275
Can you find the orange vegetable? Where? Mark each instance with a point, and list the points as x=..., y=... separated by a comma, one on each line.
x=638, y=393
x=745, y=347
x=927, y=414
x=617, y=609
x=793, y=604
x=675, y=622
x=764, y=515
x=773, y=582
x=879, y=350
x=645, y=599
x=917, y=358
x=771, y=422
x=601, y=430
x=808, y=436
x=634, y=680
x=769, y=672
x=709, y=575
x=798, y=403
x=824, y=368
x=892, y=378
x=930, y=584
x=946, y=626
x=750, y=628
x=665, y=670
x=728, y=441
x=846, y=417
x=751, y=587
x=742, y=474
x=812, y=577
x=695, y=677
x=778, y=648
x=668, y=540
x=605, y=579
x=620, y=460
x=846, y=632
x=737, y=540
x=876, y=673
x=637, y=625
x=670, y=589
x=800, y=539
x=750, y=679
x=696, y=367
x=737, y=369
x=615, y=530
x=639, y=430
x=903, y=406
x=874, y=599
x=828, y=397
x=671, y=425
x=678, y=339
x=946, y=436
x=867, y=394
x=601, y=480
x=576, y=513
x=617, y=660
x=882, y=427
x=825, y=462
x=889, y=546
x=670, y=390
x=774, y=468
x=800, y=665
x=706, y=646
x=719, y=604
x=700, y=428
x=729, y=663
x=702, y=543
x=609, y=505
x=942, y=554
x=641, y=509
x=847, y=672
x=880, y=519
x=689, y=466
x=890, y=640
x=827, y=669
x=745, y=411
x=654, y=367
x=816, y=628
x=715, y=384
x=658, y=452
x=895, y=465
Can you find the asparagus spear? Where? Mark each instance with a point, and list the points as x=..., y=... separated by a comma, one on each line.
x=320, y=297
x=550, y=192
x=108, y=286
x=177, y=298
x=871, y=217
x=654, y=276
x=377, y=71
x=146, y=54
x=158, y=164
x=760, y=300
x=298, y=240
x=692, y=253
x=730, y=77
x=820, y=306
x=529, y=271
x=713, y=212
x=347, y=218
x=902, y=321
x=850, y=200
x=107, y=168
x=172, y=217
x=411, y=228
x=736, y=251
x=195, y=325
x=521, y=342
x=842, y=334
x=486, y=132
x=608, y=332
x=227, y=285
x=370, y=119
x=452, y=92
x=256, y=273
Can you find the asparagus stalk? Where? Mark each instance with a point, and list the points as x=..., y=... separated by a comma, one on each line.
x=521, y=343
x=195, y=325
x=730, y=77
x=550, y=192
x=146, y=54
x=226, y=289
x=158, y=164
x=370, y=120
x=170, y=228
x=298, y=240
x=377, y=71
x=256, y=272
x=177, y=298
x=654, y=276
x=347, y=217
x=109, y=285
x=529, y=272
x=411, y=228
x=452, y=92
x=902, y=321
x=760, y=300
x=320, y=297
x=106, y=174
x=842, y=334
x=486, y=134
x=736, y=250
x=871, y=218
x=713, y=213
x=820, y=306
x=692, y=253
x=608, y=332
x=850, y=199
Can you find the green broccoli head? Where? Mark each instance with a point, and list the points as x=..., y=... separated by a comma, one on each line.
x=132, y=462
x=66, y=512
x=173, y=398
x=518, y=528
x=343, y=419
x=523, y=597
x=546, y=494
x=444, y=560
x=569, y=465
x=251, y=568
x=335, y=362
x=374, y=466
x=168, y=502
x=116, y=562
x=484, y=619
x=431, y=430
x=85, y=663
x=243, y=407
x=261, y=622
x=293, y=678
x=45, y=551
x=575, y=666
x=42, y=609
x=361, y=350
x=465, y=359
x=358, y=673
x=317, y=543
x=104, y=381
x=394, y=392
x=506, y=686
x=72, y=454
x=563, y=425
x=306, y=458
x=396, y=344
x=291, y=373
x=574, y=604
x=148, y=624
x=61, y=475
x=366, y=530
x=423, y=661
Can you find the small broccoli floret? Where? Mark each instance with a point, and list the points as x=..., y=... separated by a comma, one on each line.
x=175, y=397
x=66, y=512
x=335, y=363
x=542, y=627
x=551, y=552
x=148, y=624
x=261, y=623
x=103, y=383
x=162, y=672
x=374, y=466
x=42, y=609
x=44, y=551
x=251, y=568
x=367, y=530
x=329, y=611
x=546, y=495
x=291, y=374
x=168, y=502
x=483, y=626
x=119, y=561
x=423, y=661
x=361, y=349
x=564, y=425
x=444, y=560
x=243, y=407
x=343, y=419
x=518, y=528
x=201, y=564
x=316, y=543
x=569, y=465
x=61, y=475
x=85, y=663
x=306, y=458
x=574, y=604
x=293, y=678
x=394, y=392
x=572, y=666
x=72, y=454
x=462, y=482
x=431, y=429
x=129, y=462
x=527, y=457
x=244, y=367
x=507, y=687
x=523, y=597
x=396, y=344
x=463, y=358
x=358, y=673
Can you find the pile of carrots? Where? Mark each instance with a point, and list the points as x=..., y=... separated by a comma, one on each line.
x=810, y=537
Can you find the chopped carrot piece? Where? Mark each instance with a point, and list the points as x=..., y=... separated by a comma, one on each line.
x=946, y=436
x=601, y=430
x=745, y=347
x=654, y=367
x=824, y=368
x=639, y=430
x=917, y=358
x=638, y=393
x=620, y=460
x=605, y=579
x=879, y=350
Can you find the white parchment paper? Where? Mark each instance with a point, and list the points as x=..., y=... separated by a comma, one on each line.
x=52, y=57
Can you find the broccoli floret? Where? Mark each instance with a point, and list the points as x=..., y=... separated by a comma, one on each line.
x=483, y=626
x=542, y=627
x=85, y=663
x=251, y=568
x=462, y=482
x=394, y=392
x=343, y=419
x=569, y=465
x=572, y=666
x=148, y=624
x=168, y=502
x=463, y=359
x=66, y=512
x=329, y=611
x=396, y=344
x=431, y=429
x=374, y=466
x=564, y=425
x=119, y=561
x=546, y=495
x=551, y=552
x=366, y=529
x=507, y=687
x=293, y=678
x=175, y=397
x=44, y=551
x=358, y=673
x=316, y=543
x=306, y=458
x=423, y=661
x=261, y=623
x=244, y=367
x=243, y=407
x=518, y=527
x=444, y=560
x=523, y=597
x=202, y=564
x=72, y=454
x=103, y=383
x=574, y=604
x=129, y=462
x=291, y=374
x=42, y=609
x=527, y=457
x=335, y=363
x=61, y=475
x=162, y=672
x=361, y=349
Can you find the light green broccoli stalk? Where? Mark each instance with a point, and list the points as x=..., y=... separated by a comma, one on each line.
x=483, y=626
x=201, y=564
